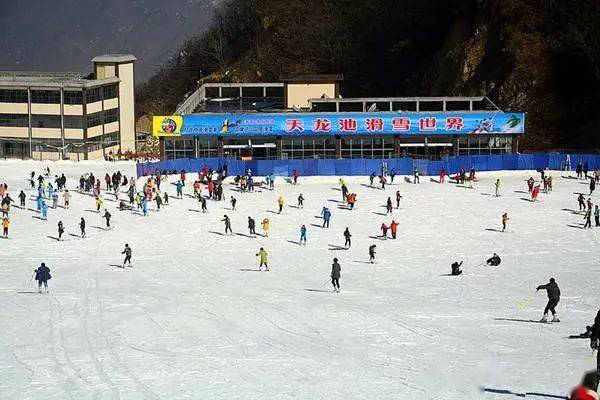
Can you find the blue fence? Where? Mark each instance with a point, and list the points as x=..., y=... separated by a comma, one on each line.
x=345, y=167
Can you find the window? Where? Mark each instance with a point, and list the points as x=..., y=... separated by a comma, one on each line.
x=179, y=148
x=110, y=115
x=94, y=119
x=73, y=97
x=45, y=96
x=73, y=122
x=110, y=139
x=94, y=143
x=14, y=120
x=110, y=92
x=45, y=121
x=92, y=95
x=13, y=96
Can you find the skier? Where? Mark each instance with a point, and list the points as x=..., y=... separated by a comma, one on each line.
x=326, y=217
x=384, y=230
x=388, y=206
x=44, y=210
x=280, y=203
x=494, y=260
x=416, y=176
x=127, y=252
x=588, y=218
x=82, y=227
x=145, y=206
x=5, y=225
x=251, y=226
x=42, y=275
x=302, y=235
x=393, y=228
x=442, y=175
x=67, y=198
x=581, y=201
x=592, y=185
x=99, y=203
x=393, y=174
x=203, y=204
x=597, y=215
x=107, y=216
x=398, y=197
x=295, y=174
x=344, y=189
x=504, y=221
x=530, y=183
x=22, y=197
x=586, y=169
x=456, y=268
x=371, y=178
x=553, y=298
x=179, y=187
x=227, y=224
x=158, y=201
x=233, y=201
x=61, y=230
x=166, y=198
x=535, y=192
x=107, y=180
x=497, y=184
x=335, y=275
x=300, y=201
x=351, y=199
x=383, y=181
x=347, y=237
x=594, y=342
x=263, y=259
x=265, y=224
x=372, y=253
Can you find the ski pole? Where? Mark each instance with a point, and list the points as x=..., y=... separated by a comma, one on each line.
x=29, y=284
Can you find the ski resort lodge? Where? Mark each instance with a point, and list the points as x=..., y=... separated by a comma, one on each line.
x=304, y=117
x=67, y=115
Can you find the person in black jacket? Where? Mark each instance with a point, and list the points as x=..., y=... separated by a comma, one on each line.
x=494, y=260
x=42, y=275
x=347, y=236
x=594, y=339
x=82, y=227
x=456, y=268
x=252, y=226
x=553, y=298
x=335, y=275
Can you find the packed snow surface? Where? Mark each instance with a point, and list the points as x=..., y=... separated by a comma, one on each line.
x=193, y=319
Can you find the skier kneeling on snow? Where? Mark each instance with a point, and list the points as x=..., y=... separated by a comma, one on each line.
x=553, y=298
x=494, y=260
x=456, y=268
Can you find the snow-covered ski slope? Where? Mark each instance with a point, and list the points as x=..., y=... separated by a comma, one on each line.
x=193, y=319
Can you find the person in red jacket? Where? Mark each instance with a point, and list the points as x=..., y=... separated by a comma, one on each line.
x=182, y=177
x=442, y=175
x=351, y=199
x=211, y=188
x=535, y=192
x=107, y=180
x=384, y=230
x=394, y=228
x=585, y=391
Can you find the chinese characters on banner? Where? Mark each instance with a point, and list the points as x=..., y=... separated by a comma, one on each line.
x=425, y=124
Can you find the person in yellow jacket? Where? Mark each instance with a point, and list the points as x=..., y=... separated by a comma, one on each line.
x=99, y=203
x=5, y=224
x=265, y=226
x=263, y=259
x=280, y=202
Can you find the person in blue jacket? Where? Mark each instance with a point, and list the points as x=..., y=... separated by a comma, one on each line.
x=39, y=201
x=145, y=205
x=44, y=210
x=326, y=217
x=42, y=275
x=302, y=235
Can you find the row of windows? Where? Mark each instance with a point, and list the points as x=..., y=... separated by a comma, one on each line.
x=53, y=96
x=103, y=141
x=54, y=121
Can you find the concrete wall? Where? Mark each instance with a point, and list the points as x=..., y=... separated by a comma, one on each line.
x=94, y=107
x=73, y=109
x=13, y=108
x=299, y=93
x=45, y=109
x=10, y=132
x=46, y=133
x=127, y=105
x=111, y=103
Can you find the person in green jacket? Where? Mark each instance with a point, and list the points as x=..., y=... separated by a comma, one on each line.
x=179, y=186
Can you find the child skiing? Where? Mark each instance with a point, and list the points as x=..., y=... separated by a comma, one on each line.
x=388, y=206
x=300, y=201
x=42, y=275
x=61, y=230
x=127, y=252
x=22, y=197
x=280, y=203
x=384, y=230
x=302, y=235
x=265, y=224
x=5, y=225
x=372, y=253
x=504, y=221
x=227, y=222
x=398, y=197
x=107, y=216
x=416, y=176
x=232, y=202
x=263, y=259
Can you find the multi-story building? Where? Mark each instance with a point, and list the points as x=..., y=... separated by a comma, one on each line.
x=304, y=116
x=67, y=115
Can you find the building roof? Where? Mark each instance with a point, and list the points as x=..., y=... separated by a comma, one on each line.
x=310, y=78
x=114, y=58
x=51, y=80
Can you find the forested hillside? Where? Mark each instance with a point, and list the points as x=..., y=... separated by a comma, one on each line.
x=538, y=56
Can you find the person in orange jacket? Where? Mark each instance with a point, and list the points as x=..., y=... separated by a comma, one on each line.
x=394, y=228
x=351, y=199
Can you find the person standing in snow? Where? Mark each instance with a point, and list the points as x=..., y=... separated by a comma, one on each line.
x=107, y=216
x=497, y=184
x=262, y=253
x=326, y=217
x=22, y=197
x=504, y=221
x=82, y=227
x=581, y=201
x=158, y=201
x=42, y=275
x=588, y=218
x=300, y=201
x=302, y=235
x=592, y=185
x=372, y=253
x=67, y=198
x=416, y=176
x=227, y=222
x=5, y=225
x=44, y=210
x=384, y=230
x=61, y=230
x=388, y=206
x=553, y=292
x=127, y=252
x=393, y=228
x=232, y=202
x=336, y=270
x=265, y=224
x=203, y=204
x=179, y=187
x=251, y=226
x=280, y=202
x=347, y=237
x=371, y=178
x=597, y=215
x=398, y=197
